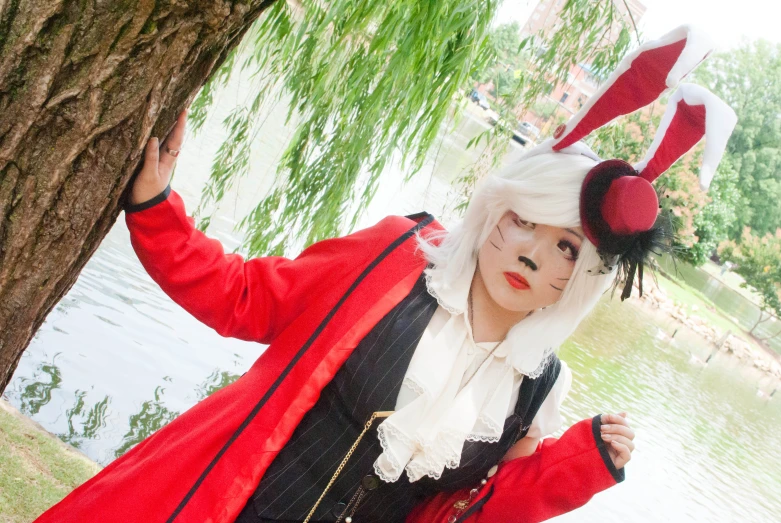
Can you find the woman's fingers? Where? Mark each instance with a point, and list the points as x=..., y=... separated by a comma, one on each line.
x=619, y=436
x=623, y=454
x=619, y=430
x=174, y=142
x=158, y=164
x=627, y=442
x=149, y=170
x=614, y=419
x=147, y=184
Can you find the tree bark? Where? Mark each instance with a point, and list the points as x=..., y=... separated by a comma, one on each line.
x=83, y=85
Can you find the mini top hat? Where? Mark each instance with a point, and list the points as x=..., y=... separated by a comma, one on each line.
x=618, y=205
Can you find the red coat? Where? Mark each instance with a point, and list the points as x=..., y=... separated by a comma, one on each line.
x=313, y=311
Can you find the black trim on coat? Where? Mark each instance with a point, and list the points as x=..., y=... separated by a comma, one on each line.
x=417, y=216
x=283, y=375
x=596, y=430
x=163, y=196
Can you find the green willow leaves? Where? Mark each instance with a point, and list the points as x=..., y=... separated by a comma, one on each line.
x=365, y=79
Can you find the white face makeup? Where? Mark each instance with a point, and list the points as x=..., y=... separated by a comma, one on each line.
x=524, y=265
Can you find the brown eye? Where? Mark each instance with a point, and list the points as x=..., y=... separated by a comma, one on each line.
x=569, y=249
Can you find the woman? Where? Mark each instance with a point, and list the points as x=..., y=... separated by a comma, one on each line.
x=410, y=374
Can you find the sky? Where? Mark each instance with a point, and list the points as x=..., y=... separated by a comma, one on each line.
x=727, y=21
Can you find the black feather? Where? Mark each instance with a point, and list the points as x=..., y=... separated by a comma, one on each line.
x=656, y=241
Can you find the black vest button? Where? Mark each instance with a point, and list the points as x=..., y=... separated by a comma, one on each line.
x=338, y=509
x=370, y=482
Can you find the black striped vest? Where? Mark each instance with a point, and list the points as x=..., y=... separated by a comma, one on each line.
x=369, y=381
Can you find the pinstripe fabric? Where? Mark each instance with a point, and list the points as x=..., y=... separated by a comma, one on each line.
x=370, y=380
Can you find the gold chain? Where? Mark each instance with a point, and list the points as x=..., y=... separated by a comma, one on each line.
x=378, y=414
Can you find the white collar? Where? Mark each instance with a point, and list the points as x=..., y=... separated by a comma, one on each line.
x=454, y=298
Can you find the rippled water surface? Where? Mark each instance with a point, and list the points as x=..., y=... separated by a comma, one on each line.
x=117, y=359
x=708, y=448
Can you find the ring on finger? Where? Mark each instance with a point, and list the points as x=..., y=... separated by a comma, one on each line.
x=172, y=152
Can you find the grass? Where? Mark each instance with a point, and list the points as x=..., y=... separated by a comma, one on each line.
x=696, y=304
x=731, y=280
x=36, y=469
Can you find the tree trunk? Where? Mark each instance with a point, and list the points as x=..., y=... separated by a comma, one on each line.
x=83, y=85
x=762, y=319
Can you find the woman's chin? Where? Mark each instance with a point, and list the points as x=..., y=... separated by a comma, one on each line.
x=510, y=302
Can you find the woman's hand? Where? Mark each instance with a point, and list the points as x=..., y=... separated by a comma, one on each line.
x=158, y=164
x=618, y=436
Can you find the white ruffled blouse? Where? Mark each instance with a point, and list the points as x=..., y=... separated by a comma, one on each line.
x=439, y=407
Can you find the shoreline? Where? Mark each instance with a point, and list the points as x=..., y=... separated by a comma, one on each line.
x=747, y=351
x=31, y=424
x=37, y=469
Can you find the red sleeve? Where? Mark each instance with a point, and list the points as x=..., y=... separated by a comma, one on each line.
x=560, y=476
x=251, y=300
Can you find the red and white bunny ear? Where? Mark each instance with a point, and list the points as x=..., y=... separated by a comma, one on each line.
x=692, y=112
x=639, y=80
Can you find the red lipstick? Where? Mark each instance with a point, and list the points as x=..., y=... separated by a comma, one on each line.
x=517, y=281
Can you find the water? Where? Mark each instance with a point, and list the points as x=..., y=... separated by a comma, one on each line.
x=116, y=360
x=706, y=445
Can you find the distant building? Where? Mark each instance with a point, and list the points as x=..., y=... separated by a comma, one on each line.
x=565, y=99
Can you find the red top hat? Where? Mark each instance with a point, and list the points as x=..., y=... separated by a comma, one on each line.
x=618, y=204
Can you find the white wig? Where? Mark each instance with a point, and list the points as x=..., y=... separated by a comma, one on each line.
x=545, y=189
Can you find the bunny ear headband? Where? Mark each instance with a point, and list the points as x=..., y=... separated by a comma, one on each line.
x=618, y=204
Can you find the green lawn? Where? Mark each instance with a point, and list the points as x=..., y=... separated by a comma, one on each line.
x=731, y=280
x=36, y=471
